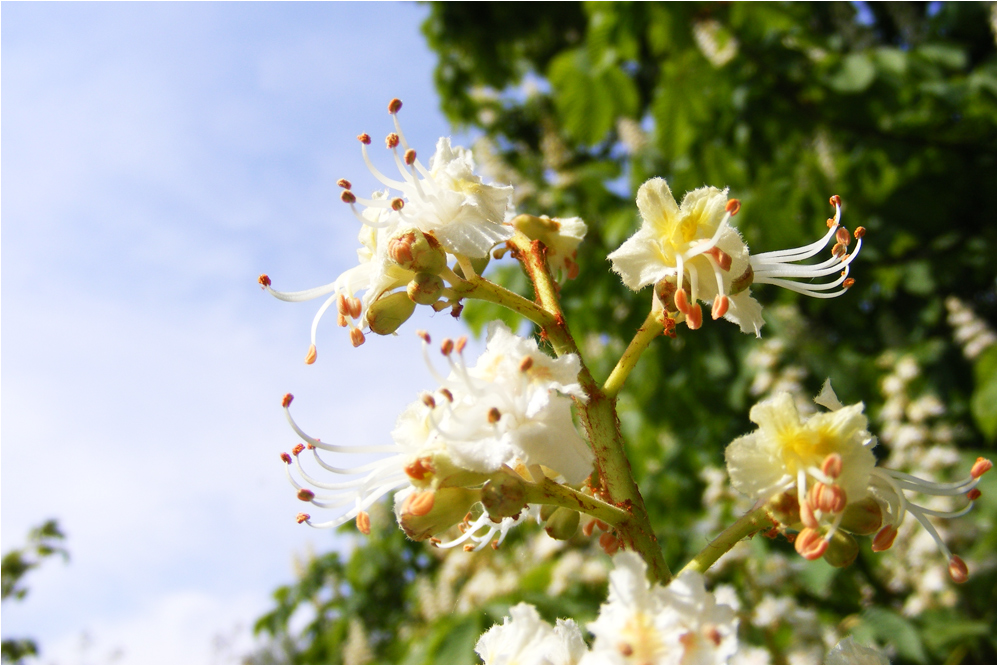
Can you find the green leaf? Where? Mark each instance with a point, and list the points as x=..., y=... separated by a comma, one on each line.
x=889, y=627
x=982, y=402
x=855, y=74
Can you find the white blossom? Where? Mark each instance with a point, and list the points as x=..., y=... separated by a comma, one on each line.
x=525, y=638
x=848, y=651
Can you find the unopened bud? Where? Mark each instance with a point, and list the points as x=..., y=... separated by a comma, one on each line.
x=306, y=495
x=958, y=570
x=286, y=400
x=810, y=544
x=386, y=314
x=446, y=508
x=394, y=105
x=356, y=337
x=504, y=496
x=733, y=206
x=884, y=539
x=981, y=466
x=842, y=550
x=364, y=522
x=302, y=517
x=562, y=524
x=862, y=517
x=425, y=288
x=417, y=252
x=264, y=280
x=310, y=356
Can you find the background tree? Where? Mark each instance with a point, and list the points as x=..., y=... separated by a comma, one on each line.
x=891, y=106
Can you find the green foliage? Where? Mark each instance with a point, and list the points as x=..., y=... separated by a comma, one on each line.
x=786, y=104
x=43, y=541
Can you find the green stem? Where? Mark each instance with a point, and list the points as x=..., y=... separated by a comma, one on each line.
x=747, y=525
x=651, y=329
x=484, y=290
x=550, y=492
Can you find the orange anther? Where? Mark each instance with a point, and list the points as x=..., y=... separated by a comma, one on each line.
x=682, y=302
x=468, y=548
x=305, y=495
x=418, y=469
x=587, y=529
x=428, y=400
x=981, y=466
x=356, y=337
x=341, y=304
x=807, y=516
x=711, y=633
x=842, y=236
x=346, y=196
x=835, y=200
x=364, y=522
x=694, y=318
x=839, y=250
x=526, y=363
x=310, y=356
x=958, y=570
x=344, y=183
x=973, y=495
x=286, y=400
x=494, y=415
x=341, y=321
x=722, y=258
x=364, y=139
x=461, y=343
x=720, y=307
x=495, y=544
x=733, y=206
x=354, y=306
x=298, y=449
x=424, y=335
x=848, y=282
x=810, y=544
x=827, y=498
x=392, y=140
x=264, y=280
x=830, y=223
x=397, y=204
x=609, y=543
x=286, y=458
x=884, y=539
x=302, y=517
x=603, y=526
x=445, y=392
x=410, y=156
x=394, y=105
x=419, y=503
x=860, y=232
x=446, y=347
x=832, y=466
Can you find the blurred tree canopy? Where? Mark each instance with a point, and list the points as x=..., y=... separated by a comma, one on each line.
x=890, y=105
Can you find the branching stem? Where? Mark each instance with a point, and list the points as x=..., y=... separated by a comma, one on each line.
x=650, y=329
x=747, y=525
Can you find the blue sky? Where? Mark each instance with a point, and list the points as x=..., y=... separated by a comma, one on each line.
x=155, y=159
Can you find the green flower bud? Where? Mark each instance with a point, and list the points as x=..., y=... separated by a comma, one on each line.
x=862, y=517
x=389, y=312
x=842, y=550
x=418, y=252
x=562, y=524
x=425, y=288
x=425, y=513
x=504, y=497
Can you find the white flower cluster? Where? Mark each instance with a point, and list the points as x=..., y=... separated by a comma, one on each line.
x=511, y=410
x=681, y=623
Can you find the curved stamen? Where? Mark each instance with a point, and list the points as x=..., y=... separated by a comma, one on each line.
x=305, y=295
x=337, y=448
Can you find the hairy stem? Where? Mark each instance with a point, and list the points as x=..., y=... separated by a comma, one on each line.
x=747, y=525
x=650, y=329
x=550, y=492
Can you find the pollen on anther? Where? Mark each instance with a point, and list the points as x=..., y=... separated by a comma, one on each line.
x=311, y=355
x=830, y=223
x=346, y=196
x=958, y=570
x=848, y=282
x=302, y=517
x=364, y=522
x=364, y=138
x=264, y=280
x=410, y=157
x=397, y=204
x=447, y=347
x=429, y=401
x=494, y=415
x=973, y=495
x=495, y=544
x=286, y=400
x=461, y=343
x=392, y=140
x=298, y=449
x=356, y=337
x=860, y=232
x=394, y=105
x=839, y=250
x=286, y=458
x=344, y=183
x=424, y=335
x=835, y=200
x=842, y=236
x=468, y=548
x=981, y=466
x=306, y=495
x=526, y=364
x=733, y=206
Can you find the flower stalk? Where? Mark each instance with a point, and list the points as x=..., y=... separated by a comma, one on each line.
x=746, y=526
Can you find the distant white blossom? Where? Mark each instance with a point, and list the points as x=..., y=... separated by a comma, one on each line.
x=525, y=638
x=848, y=651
